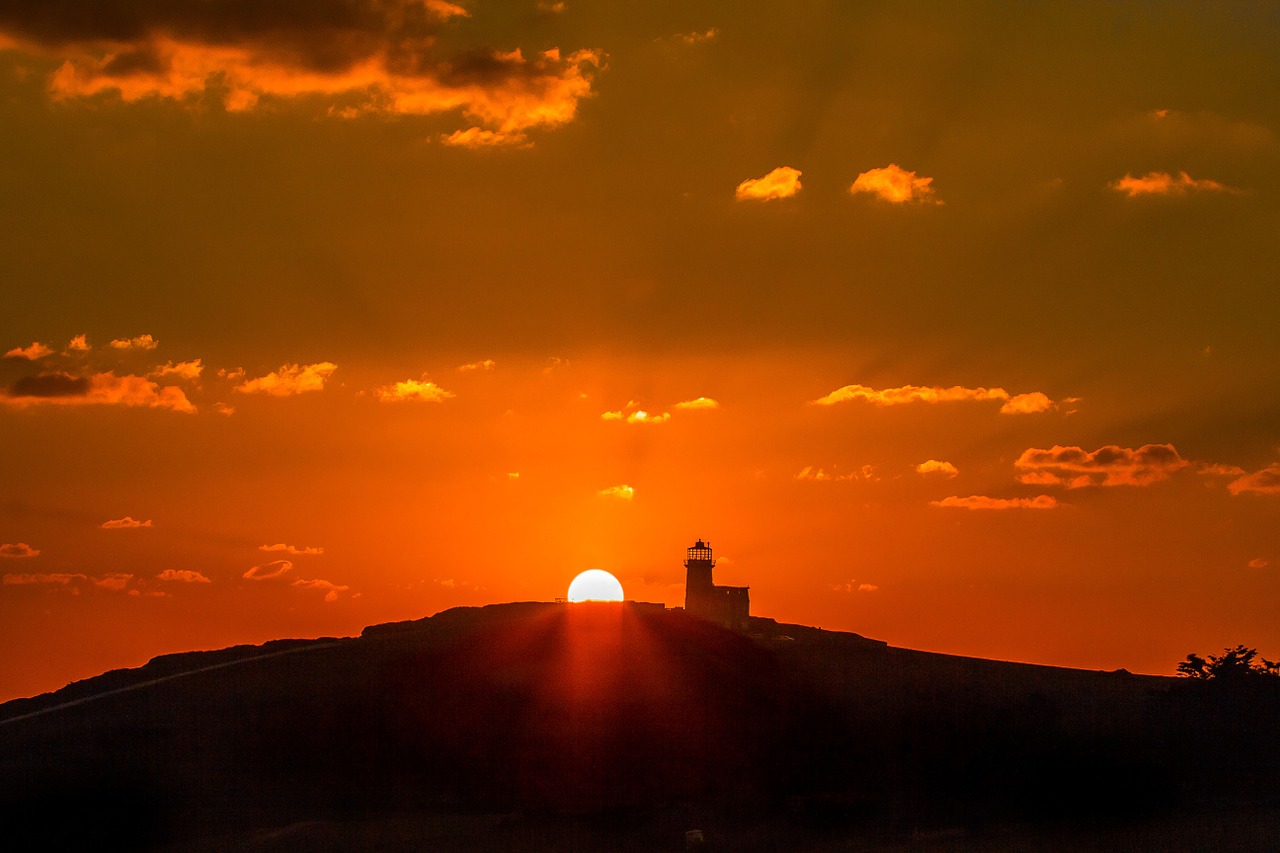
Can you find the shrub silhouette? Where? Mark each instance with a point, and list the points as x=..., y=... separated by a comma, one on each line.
x=1234, y=666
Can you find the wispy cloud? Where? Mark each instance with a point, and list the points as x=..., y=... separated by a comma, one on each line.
x=292, y=549
x=621, y=492
x=182, y=576
x=1165, y=184
x=80, y=343
x=1014, y=404
x=34, y=352
x=1076, y=468
x=1263, y=482
x=74, y=582
x=41, y=578
x=866, y=473
x=639, y=416
x=782, y=182
x=894, y=184
x=984, y=502
x=331, y=590
x=126, y=523
x=696, y=37
x=290, y=379
x=268, y=571
x=855, y=586
x=18, y=551
x=480, y=137
x=143, y=342
x=699, y=403
x=101, y=389
x=934, y=466
x=182, y=369
x=412, y=389
x=351, y=58
x=486, y=364
x=1258, y=563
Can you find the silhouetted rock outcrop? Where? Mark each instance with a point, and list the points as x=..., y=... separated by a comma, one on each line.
x=620, y=722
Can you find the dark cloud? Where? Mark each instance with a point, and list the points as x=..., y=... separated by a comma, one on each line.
x=50, y=385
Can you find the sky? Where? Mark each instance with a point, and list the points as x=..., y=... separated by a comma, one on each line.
x=952, y=325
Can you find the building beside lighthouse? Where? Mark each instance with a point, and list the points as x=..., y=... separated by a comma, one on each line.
x=727, y=606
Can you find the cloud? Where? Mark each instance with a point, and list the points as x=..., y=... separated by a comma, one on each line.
x=126, y=523
x=1014, y=404
x=106, y=389
x=53, y=579
x=782, y=182
x=487, y=364
x=1263, y=482
x=699, y=403
x=291, y=549
x=933, y=466
x=1076, y=468
x=113, y=582
x=984, y=502
x=808, y=472
x=693, y=38
x=479, y=137
x=182, y=369
x=143, y=342
x=183, y=576
x=412, y=389
x=1258, y=563
x=1164, y=184
x=639, y=416
x=268, y=571
x=80, y=343
x=894, y=184
x=18, y=551
x=353, y=56
x=622, y=492
x=854, y=586
x=331, y=589
x=35, y=352
x=290, y=379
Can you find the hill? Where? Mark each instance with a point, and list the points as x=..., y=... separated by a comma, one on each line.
x=536, y=726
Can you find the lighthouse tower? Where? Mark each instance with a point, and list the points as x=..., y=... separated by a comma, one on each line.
x=727, y=606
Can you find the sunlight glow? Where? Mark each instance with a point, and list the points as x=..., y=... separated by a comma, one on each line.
x=595, y=585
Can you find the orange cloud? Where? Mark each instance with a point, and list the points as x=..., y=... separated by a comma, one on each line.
x=107, y=389
x=639, y=416
x=696, y=37
x=290, y=379
x=412, y=389
x=1263, y=482
x=1076, y=468
x=1162, y=183
x=18, y=551
x=984, y=502
x=1259, y=563
x=487, y=364
x=699, y=403
x=182, y=369
x=35, y=352
x=1013, y=404
x=359, y=57
x=479, y=137
x=80, y=343
x=622, y=492
x=268, y=571
x=808, y=472
x=290, y=549
x=126, y=523
x=113, y=582
x=934, y=466
x=854, y=586
x=183, y=576
x=53, y=578
x=782, y=182
x=331, y=589
x=144, y=342
x=893, y=184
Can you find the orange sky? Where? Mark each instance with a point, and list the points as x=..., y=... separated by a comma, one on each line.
x=945, y=325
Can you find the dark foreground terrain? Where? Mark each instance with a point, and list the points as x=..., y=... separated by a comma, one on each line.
x=531, y=727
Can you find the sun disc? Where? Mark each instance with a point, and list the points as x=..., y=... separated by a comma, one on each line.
x=595, y=585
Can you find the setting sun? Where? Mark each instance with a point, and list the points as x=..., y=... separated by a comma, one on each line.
x=595, y=585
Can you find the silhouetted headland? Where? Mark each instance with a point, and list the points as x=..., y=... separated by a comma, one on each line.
x=550, y=726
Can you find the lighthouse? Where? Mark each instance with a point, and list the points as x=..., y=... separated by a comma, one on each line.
x=727, y=606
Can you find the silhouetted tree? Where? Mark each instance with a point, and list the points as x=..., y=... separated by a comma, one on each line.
x=1233, y=666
